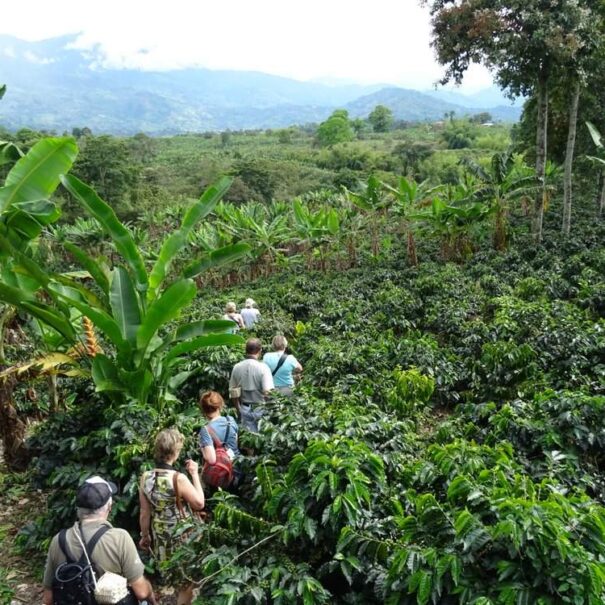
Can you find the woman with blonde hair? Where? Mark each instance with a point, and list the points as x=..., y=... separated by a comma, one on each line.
x=231, y=314
x=161, y=491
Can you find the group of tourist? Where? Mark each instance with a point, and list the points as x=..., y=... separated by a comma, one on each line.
x=164, y=491
x=252, y=380
x=244, y=320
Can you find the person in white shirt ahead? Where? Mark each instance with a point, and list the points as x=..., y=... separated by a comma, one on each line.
x=250, y=314
x=249, y=385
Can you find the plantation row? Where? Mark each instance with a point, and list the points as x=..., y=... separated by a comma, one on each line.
x=445, y=445
x=326, y=230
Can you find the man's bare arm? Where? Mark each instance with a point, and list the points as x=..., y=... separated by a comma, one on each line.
x=143, y=591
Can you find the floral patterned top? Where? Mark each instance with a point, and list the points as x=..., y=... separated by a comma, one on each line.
x=158, y=487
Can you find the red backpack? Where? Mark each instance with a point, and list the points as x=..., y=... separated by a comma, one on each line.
x=219, y=474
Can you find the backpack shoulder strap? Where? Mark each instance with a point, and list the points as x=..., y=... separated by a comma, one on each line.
x=177, y=495
x=64, y=548
x=95, y=539
x=214, y=437
x=280, y=363
x=90, y=545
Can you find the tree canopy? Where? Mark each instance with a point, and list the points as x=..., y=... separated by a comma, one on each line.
x=381, y=118
x=336, y=129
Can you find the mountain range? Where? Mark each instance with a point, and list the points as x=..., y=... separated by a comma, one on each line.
x=53, y=85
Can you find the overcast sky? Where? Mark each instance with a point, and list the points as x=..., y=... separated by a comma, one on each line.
x=368, y=41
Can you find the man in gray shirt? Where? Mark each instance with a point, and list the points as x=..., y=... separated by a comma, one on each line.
x=249, y=385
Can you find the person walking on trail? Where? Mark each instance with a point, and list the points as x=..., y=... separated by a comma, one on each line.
x=283, y=366
x=219, y=428
x=250, y=314
x=161, y=492
x=109, y=548
x=250, y=384
x=231, y=314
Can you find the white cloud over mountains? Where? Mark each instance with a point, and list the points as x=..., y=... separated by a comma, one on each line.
x=382, y=41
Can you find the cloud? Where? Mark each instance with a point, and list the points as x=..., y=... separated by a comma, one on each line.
x=382, y=41
x=33, y=58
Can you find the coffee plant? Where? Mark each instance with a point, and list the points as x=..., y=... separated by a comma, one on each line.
x=444, y=445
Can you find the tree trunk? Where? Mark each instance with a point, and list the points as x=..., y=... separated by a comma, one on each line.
x=352, y=252
x=412, y=255
x=602, y=195
x=541, y=139
x=375, y=245
x=571, y=142
x=5, y=318
x=12, y=428
x=500, y=235
x=53, y=393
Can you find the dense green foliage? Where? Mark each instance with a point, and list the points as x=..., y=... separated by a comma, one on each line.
x=140, y=174
x=445, y=446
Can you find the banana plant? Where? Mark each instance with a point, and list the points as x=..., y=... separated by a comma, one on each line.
x=408, y=196
x=135, y=309
x=9, y=153
x=375, y=204
x=352, y=227
x=264, y=224
x=508, y=179
x=316, y=229
x=452, y=217
x=25, y=209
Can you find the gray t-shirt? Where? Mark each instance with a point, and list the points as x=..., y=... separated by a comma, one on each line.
x=115, y=552
x=253, y=377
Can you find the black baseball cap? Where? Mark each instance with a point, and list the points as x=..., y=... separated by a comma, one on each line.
x=95, y=492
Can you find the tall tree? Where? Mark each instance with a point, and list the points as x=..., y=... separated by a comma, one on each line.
x=336, y=129
x=381, y=118
x=575, y=75
x=522, y=42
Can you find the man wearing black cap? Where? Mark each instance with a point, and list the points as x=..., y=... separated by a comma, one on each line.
x=115, y=551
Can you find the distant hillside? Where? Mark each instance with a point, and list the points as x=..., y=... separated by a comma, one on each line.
x=488, y=97
x=52, y=85
x=417, y=106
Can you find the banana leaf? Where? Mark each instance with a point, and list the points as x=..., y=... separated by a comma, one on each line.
x=9, y=153
x=124, y=305
x=100, y=318
x=209, y=340
x=121, y=237
x=163, y=310
x=177, y=241
x=200, y=328
x=105, y=375
x=93, y=268
x=217, y=258
x=36, y=175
